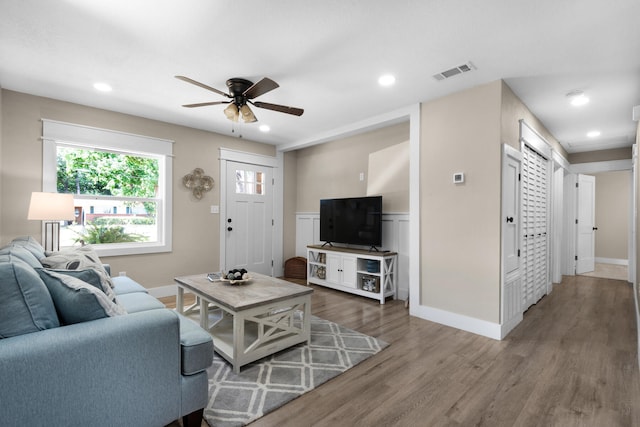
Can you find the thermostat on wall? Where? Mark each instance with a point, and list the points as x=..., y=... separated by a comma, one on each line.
x=458, y=178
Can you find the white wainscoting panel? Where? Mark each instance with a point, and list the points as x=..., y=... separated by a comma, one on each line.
x=395, y=238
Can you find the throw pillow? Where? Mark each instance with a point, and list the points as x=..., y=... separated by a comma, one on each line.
x=26, y=304
x=91, y=277
x=78, y=259
x=77, y=301
x=30, y=244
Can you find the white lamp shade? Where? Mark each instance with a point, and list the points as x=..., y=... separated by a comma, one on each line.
x=51, y=207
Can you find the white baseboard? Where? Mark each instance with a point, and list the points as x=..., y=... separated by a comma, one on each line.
x=459, y=321
x=163, y=291
x=612, y=261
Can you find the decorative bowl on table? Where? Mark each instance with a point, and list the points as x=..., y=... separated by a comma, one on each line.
x=236, y=277
x=236, y=281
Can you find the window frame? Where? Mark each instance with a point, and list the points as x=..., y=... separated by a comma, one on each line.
x=56, y=133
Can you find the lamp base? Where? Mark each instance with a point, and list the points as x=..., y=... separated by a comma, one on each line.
x=52, y=236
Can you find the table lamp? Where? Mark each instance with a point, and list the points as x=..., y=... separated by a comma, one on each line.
x=52, y=208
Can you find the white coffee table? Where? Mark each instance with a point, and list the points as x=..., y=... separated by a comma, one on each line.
x=257, y=319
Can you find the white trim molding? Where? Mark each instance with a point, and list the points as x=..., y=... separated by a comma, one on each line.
x=460, y=321
x=55, y=132
x=597, y=167
x=614, y=261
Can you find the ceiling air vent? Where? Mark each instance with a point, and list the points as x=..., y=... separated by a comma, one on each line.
x=464, y=68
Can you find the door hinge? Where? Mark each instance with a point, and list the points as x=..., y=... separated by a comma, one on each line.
x=518, y=177
x=271, y=263
x=273, y=181
x=577, y=185
x=576, y=257
x=272, y=223
x=518, y=252
x=576, y=220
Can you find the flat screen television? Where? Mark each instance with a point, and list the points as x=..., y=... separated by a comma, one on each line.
x=353, y=220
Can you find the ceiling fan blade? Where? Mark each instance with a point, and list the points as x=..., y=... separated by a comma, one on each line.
x=280, y=108
x=204, y=104
x=202, y=85
x=263, y=86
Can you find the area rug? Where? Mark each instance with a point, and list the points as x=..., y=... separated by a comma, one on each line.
x=267, y=384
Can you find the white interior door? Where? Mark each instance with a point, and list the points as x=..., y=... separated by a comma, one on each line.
x=511, y=214
x=585, y=244
x=249, y=218
x=511, y=295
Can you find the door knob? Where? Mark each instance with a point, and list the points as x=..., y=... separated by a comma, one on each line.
x=228, y=219
x=229, y=228
x=509, y=219
x=595, y=228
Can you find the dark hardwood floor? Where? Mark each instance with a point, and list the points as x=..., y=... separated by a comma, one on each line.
x=571, y=362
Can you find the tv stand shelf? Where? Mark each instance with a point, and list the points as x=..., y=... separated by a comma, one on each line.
x=366, y=273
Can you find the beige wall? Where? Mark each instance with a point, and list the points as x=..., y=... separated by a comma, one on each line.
x=514, y=110
x=601, y=156
x=460, y=224
x=333, y=169
x=612, y=214
x=196, y=237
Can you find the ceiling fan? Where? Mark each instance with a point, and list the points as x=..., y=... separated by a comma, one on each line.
x=241, y=93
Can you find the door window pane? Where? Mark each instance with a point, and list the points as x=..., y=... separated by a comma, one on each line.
x=249, y=182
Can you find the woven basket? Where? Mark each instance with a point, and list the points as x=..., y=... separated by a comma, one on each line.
x=296, y=268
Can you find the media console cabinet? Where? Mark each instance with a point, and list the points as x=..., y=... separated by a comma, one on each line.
x=367, y=273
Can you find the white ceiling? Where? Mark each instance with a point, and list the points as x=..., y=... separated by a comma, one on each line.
x=327, y=57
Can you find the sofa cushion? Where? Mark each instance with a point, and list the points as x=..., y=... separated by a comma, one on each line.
x=77, y=301
x=125, y=285
x=77, y=259
x=196, y=350
x=25, y=303
x=30, y=244
x=22, y=254
x=139, y=301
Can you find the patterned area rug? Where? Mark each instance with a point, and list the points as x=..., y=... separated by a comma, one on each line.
x=267, y=384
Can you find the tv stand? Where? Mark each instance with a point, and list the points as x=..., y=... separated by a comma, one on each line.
x=327, y=243
x=358, y=271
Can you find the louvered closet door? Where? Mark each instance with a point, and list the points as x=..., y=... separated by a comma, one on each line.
x=534, y=226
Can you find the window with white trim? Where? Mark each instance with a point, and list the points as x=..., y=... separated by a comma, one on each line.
x=121, y=184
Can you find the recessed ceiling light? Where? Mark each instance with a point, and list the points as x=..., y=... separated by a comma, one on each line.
x=593, y=133
x=577, y=98
x=102, y=87
x=264, y=128
x=386, y=80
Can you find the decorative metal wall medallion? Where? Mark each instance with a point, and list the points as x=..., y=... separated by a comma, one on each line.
x=198, y=182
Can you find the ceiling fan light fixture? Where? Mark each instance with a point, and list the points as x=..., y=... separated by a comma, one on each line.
x=247, y=114
x=231, y=112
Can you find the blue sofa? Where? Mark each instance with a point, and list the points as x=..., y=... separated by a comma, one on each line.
x=145, y=367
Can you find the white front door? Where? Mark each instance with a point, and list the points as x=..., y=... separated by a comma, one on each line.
x=249, y=218
x=586, y=224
